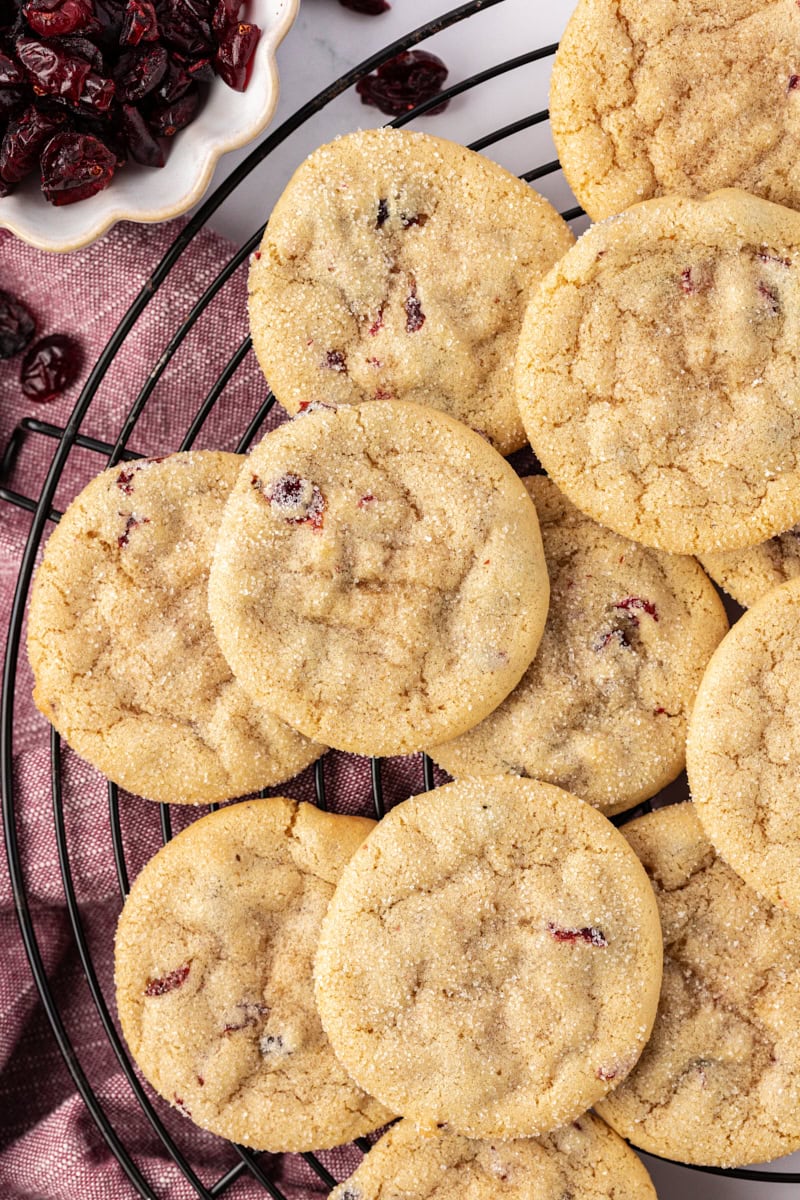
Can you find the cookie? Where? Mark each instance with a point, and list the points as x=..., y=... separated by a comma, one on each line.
x=685, y=97
x=214, y=954
x=741, y=753
x=585, y=1159
x=657, y=372
x=719, y=1081
x=749, y=574
x=397, y=266
x=491, y=959
x=379, y=578
x=602, y=710
x=125, y=661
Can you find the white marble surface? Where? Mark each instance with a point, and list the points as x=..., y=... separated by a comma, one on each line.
x=326, y=41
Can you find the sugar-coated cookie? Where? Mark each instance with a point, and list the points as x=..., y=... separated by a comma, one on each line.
x=491, y=959
x=214, y=955
x=585, y=1160
x=684, y=97
x=741, y=753
x=397, y=265
x=749, y=574
x=719, y=1081
x=124, y=658
x=602, y=710
x=379, y=576
x=657, y=373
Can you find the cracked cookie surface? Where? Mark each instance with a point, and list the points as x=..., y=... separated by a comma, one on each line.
x=741, y=752
x=685, y=97
x=125, y=661
x=657, y=373
x=379, y=579
x=585, y=1159
x=214, y=954
x=602, y=710
x=719, y=1081
x=397, y=265
x=491, y=959
x=749, y=574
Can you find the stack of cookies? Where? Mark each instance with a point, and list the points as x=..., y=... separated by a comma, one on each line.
x=494, y=958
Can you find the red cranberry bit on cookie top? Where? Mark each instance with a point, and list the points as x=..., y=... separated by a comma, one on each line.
x=296, y=500
x=169, y=982
x=589, y=934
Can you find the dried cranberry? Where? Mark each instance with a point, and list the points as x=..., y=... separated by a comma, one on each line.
x=81, y=47
x=50, y=367
x=234, y=52
x=140, y=23
x=226, y=14
x=794, y=83
x=175, y=83
x=167, y=119
x=335, y=361
x=139, y=71
x=415, y=317
x=74, y=167
x=55, y=18
x=98, y=93
x=297, y=500
x=589, y=934
x=131, y=523
x=11, y=101
x=25, y=136
x=383, y=213
x=404, y=82
x=186, y=29
x=52, y=71
x=631, y=603
x=771, y=296
x=370, y=8
x=10, y=72
x=17, y=326
x=143, y=146
x=201, y=70
x=169, y=982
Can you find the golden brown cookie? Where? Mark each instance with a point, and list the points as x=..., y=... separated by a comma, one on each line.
x=491, y=959
x=657, y=372
x=741, y=753
x=684, y=97
x=749, y=574
x=602, y=710
x=397, y=265
x=719, y=1080
x=214, y=953
x=124, y=658
x=379, y=577
x=585, y=1159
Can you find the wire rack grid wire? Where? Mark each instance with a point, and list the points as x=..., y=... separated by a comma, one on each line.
x=69, y=437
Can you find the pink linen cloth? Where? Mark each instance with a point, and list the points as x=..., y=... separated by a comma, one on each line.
x=50, y=1147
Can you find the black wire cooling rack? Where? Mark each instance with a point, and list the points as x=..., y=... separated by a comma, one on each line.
x=70, y=438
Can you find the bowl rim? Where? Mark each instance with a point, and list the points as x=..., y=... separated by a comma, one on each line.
x=271, y=38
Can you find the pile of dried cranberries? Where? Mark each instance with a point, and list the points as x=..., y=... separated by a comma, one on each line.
x=87, y=84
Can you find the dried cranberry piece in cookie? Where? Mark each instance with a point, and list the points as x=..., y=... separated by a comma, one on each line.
x=169, y=982
x=74, y=167
x=131, y=523
x=415, y=317
x=335, y=360
x=632, y=603
x=50, y=367
x=589, y=934
x=404, y=82
x=297, y=500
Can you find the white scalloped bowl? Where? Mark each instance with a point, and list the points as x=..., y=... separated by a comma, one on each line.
x=226, y=121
